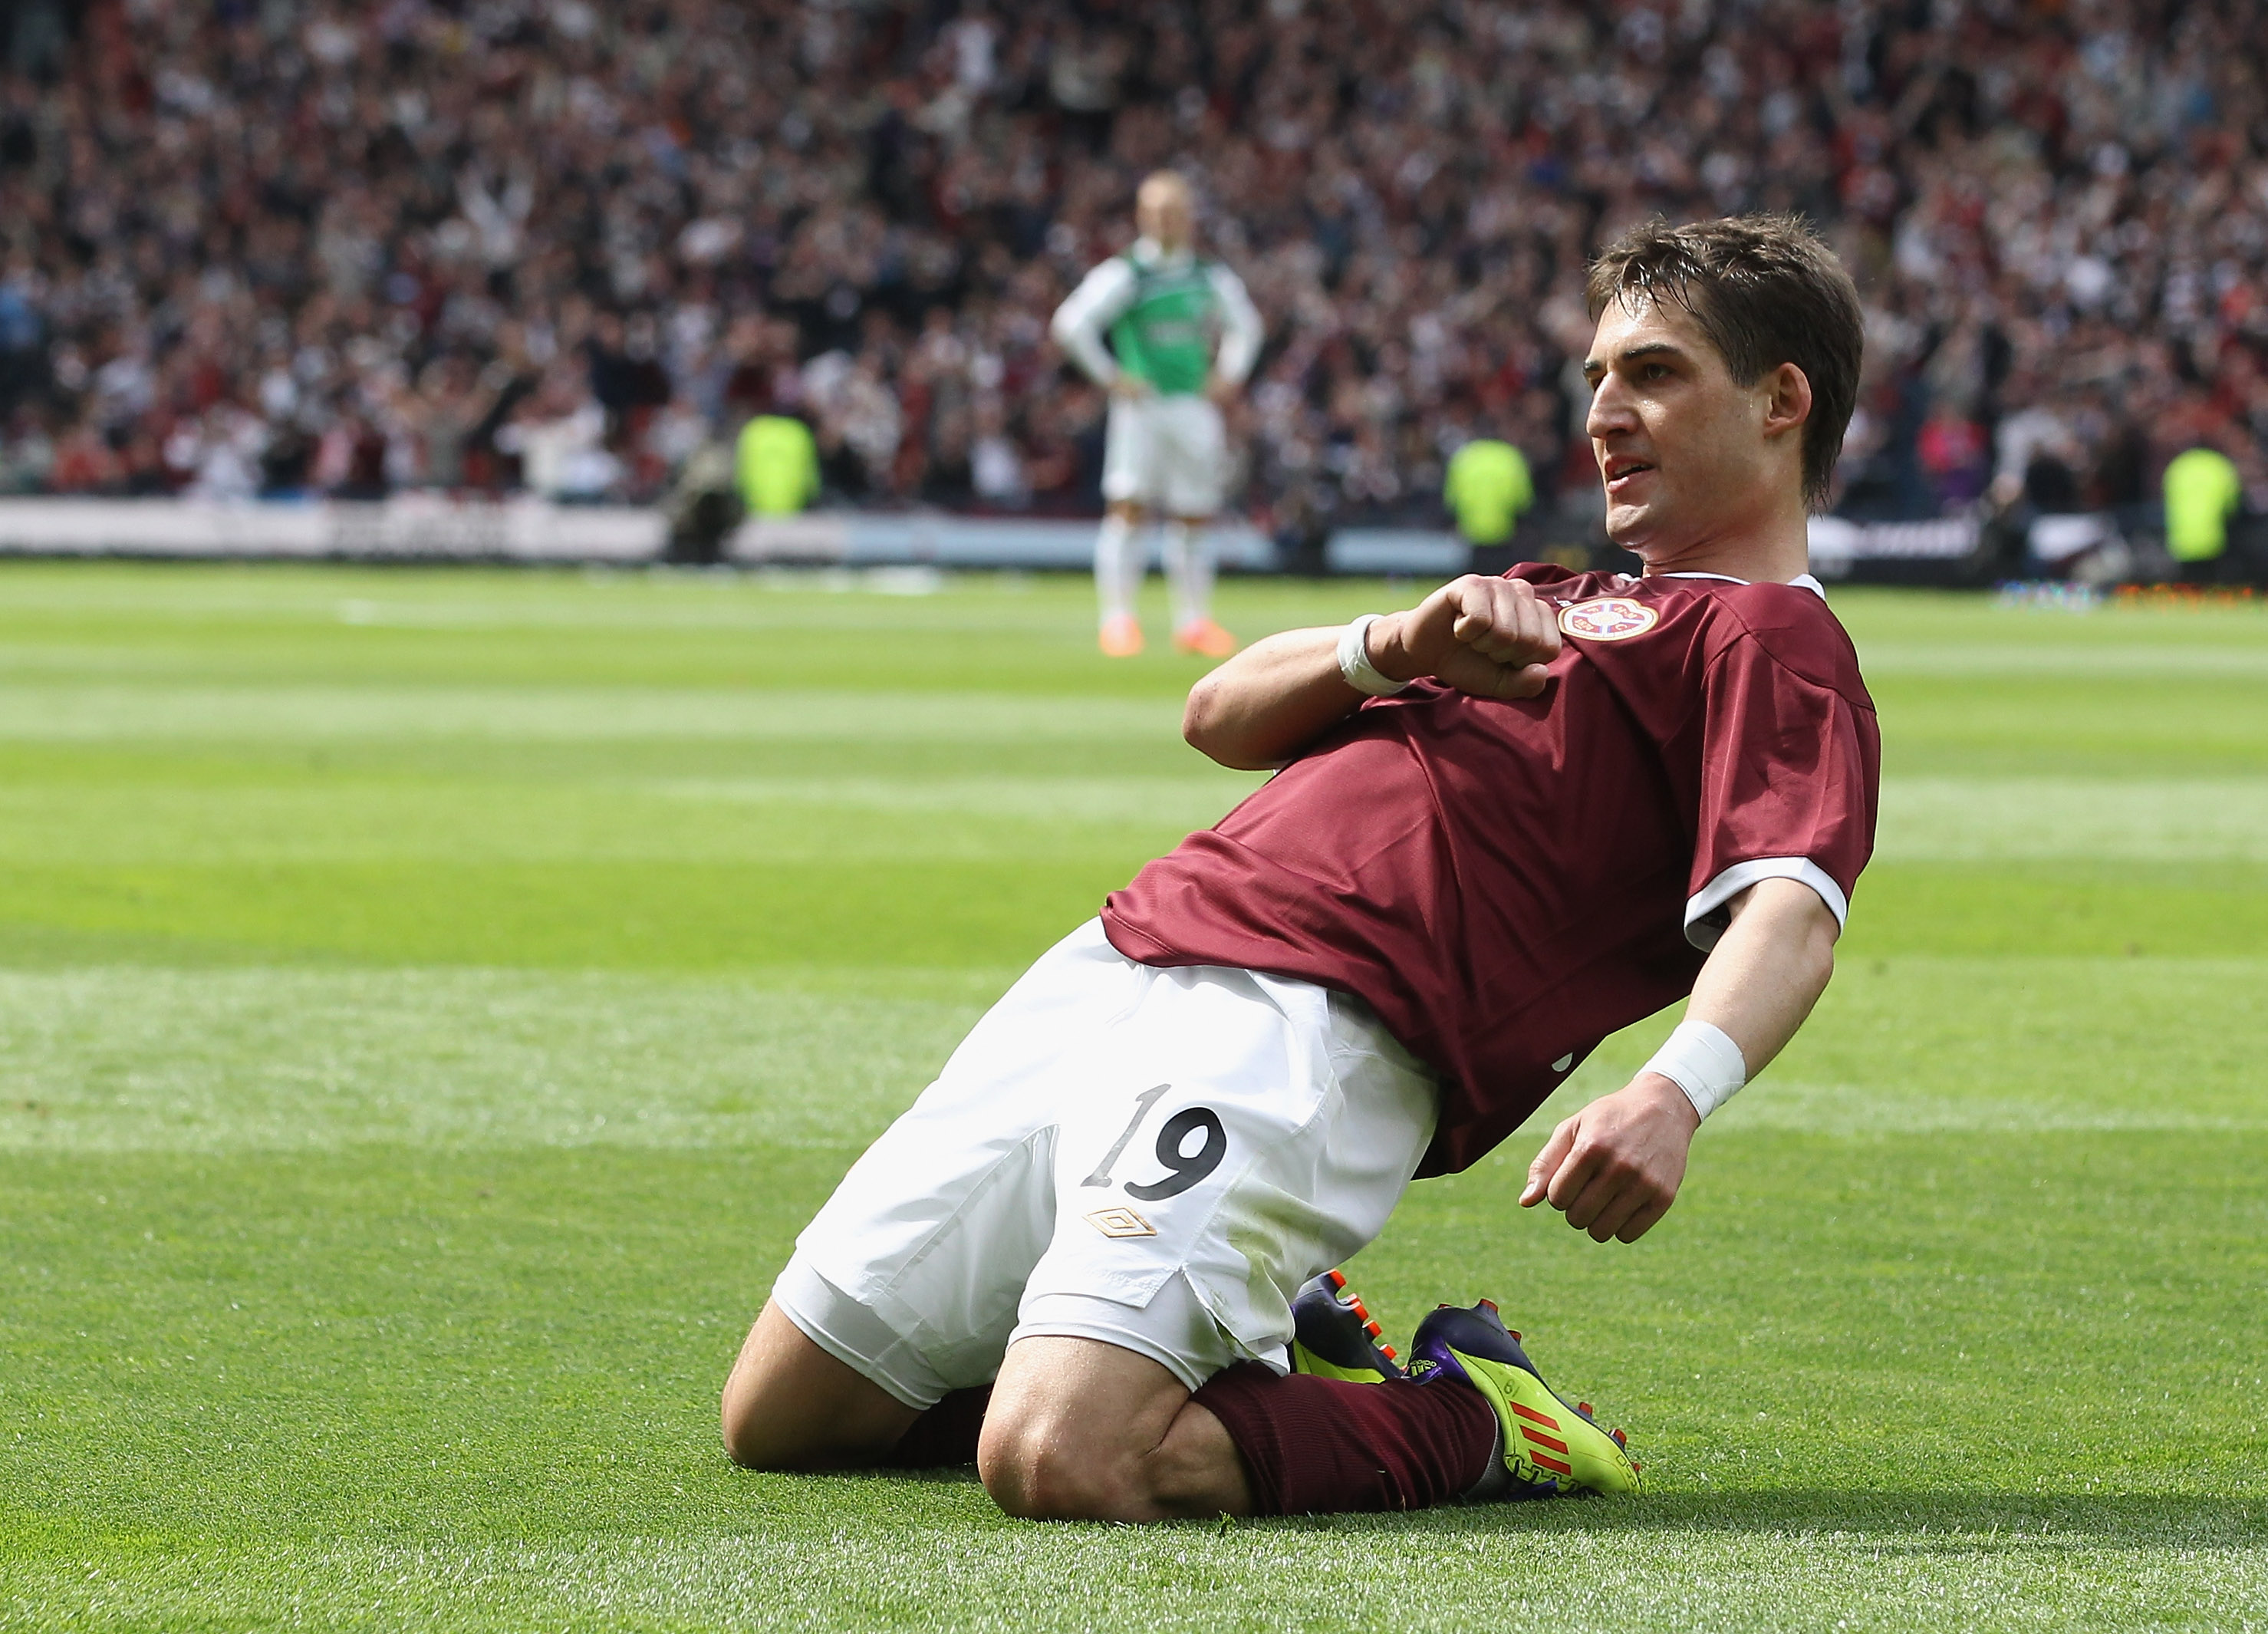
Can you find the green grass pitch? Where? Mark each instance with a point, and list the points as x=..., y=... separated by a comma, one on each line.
x=430, y=1004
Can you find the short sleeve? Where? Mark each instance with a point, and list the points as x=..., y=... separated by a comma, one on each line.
x=1789, y=775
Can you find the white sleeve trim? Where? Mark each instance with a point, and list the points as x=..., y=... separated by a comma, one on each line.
x=1703, y=931
x=1102, y=296
x=1240, y=328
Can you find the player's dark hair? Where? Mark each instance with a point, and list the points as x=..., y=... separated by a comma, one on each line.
x=1765, y=291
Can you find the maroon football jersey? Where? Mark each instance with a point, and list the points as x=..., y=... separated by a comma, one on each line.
x=1507, y=883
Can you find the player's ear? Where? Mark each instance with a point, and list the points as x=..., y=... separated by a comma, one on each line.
x=1787, y=399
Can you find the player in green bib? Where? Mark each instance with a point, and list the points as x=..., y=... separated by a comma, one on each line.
x=1486, y=489
x=2204, y=491
x=1182, y=337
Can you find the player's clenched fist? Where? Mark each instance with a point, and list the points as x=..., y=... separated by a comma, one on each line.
x=1489, y=636
x=1614, y=1168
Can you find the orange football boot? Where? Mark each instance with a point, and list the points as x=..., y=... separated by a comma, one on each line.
x=1202, y=635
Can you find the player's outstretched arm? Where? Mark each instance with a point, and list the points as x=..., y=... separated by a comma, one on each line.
x=1489, y=636
x=1614, y=1168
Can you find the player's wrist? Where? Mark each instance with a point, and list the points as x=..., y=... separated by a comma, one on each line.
x=1666, y=1095
x=1389, y=648
x=1703, y=1064
x=1358, y=657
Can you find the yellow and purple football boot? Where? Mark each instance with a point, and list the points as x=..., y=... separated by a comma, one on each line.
x=1334, y=1337
x=1547, y=1446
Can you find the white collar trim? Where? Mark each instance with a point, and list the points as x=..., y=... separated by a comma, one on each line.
x=1805, y=580
x=1148, y=251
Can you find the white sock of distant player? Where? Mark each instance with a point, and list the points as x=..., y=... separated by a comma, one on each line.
x=1118, y=567
x=1189, y=568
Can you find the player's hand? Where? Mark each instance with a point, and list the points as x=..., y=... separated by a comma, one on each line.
x=1489, y=636
x=1222, y=392
x=1130, y=387
x=1614, y=1168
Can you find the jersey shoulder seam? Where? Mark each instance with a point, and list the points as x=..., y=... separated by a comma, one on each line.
x=1749, y=632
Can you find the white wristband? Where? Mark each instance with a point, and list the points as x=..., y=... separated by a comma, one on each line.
x=1354, y=660
x=1704, y=1062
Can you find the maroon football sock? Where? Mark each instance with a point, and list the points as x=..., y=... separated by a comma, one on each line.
x=944, y=1435
x=1323, y=1446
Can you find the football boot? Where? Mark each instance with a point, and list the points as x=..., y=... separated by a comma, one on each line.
x=1120, y=638
x=1546, y=1445
x=1204, y=636
x=1333, y=1337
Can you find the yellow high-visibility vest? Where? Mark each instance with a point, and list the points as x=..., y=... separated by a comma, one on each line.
x=777, y=464
x=2202, y=493
x=1486, y=489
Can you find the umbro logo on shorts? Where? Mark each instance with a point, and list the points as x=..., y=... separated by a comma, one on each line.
x=1120, y=1223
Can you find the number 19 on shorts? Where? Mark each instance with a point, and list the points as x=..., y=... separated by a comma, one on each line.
x=1190, y=1145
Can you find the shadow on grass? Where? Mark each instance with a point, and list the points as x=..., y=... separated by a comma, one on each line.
x=1950, y=1522
x=1954, y=1522
x=944, y=1475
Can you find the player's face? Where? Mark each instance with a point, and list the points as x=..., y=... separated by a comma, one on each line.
x=1164, y=214
x=1681, y=445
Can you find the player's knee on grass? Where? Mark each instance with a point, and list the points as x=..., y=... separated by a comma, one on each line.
x=781, y=1429
x=1038, y=1467
x=1067, y=1422
x=1042, y=1475
x=1078, y=1430
x=1047, y=1466
x=757, y=1435
x=789, y=1405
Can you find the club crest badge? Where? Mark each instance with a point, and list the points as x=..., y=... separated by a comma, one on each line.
x=1609, y=618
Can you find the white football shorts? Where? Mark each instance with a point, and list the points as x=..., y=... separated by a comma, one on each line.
x=1167, y=455
x=1155, y=1159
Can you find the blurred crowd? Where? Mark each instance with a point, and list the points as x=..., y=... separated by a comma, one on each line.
x=263, y=246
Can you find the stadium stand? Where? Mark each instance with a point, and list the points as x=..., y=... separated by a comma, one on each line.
x=258, y=246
